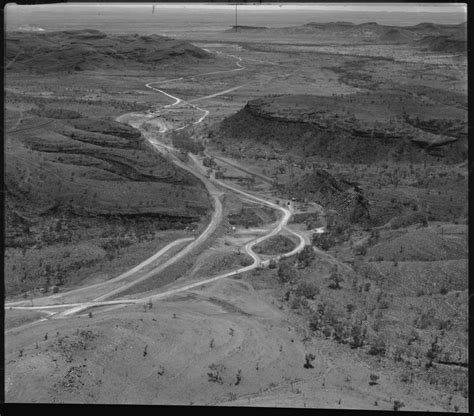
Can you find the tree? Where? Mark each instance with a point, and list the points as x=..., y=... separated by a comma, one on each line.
x=378, y=347
x=323, y=240
x=215, y=375
x=238, y=377
x=308, y=359
x=286, y=272
x=432, y=352
x=335, y=279
x=182, y=141
x=397, y=405
x=307, y=289
x=306, y=256
x=373, y=379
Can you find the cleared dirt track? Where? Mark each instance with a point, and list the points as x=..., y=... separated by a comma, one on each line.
x=137, y=120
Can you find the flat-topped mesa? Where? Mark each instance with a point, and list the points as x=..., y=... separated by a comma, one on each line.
x=359, y=128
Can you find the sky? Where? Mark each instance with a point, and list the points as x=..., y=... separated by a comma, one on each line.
x=373, y=7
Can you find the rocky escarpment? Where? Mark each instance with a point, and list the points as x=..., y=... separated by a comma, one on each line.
x=359, y=128
x=93, y=166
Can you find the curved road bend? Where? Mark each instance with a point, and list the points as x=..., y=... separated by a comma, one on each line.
x=103, y=285
x=211, y=227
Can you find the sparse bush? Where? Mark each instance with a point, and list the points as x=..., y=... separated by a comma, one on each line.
x=215, y=376
x=272, y=264
x=308, y=359
x=323, y=240
x=373, y=379
x=305, y=257
x=182, y=141
x=307, y=289
x=238, y=377
x=433, y=352
x=426, y=319
x=378, y=347
x=397, y=405
x=286, y=272
x=335, y=280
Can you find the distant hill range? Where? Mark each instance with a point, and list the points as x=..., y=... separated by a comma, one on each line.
x=76, y=50
x=240, y=28
x=429, y=36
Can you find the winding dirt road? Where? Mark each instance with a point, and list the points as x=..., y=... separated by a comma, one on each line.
x=137, y=120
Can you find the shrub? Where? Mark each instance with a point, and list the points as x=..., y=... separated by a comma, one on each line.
x=306, y=256
x=397, y=405
x=307, y=289
x=215, y=376
x=425, y=319
x=443, y=290
x=272, y=264
x=378, y=347
x=323, y=240
x=315, y=321
x=308, y=359
x=182, y=141
x=360, y=250
x=373, y=379
x=335, y=280
x=286, y=272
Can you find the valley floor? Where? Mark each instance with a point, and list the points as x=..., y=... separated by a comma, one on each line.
x=224, y=324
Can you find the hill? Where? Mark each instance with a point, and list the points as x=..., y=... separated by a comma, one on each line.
x=241, y=28
x=359, y=128
x=78, y=190
x=445, y=44
x=420, y=245
x=322, y=187
x=77, y=50
x=396, y=36
x=367, y=32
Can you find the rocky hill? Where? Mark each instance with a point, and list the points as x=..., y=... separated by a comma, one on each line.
x=76, y=50
x=319, y=185
x=435, y=37
x=362, y=127
x=446, y=44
